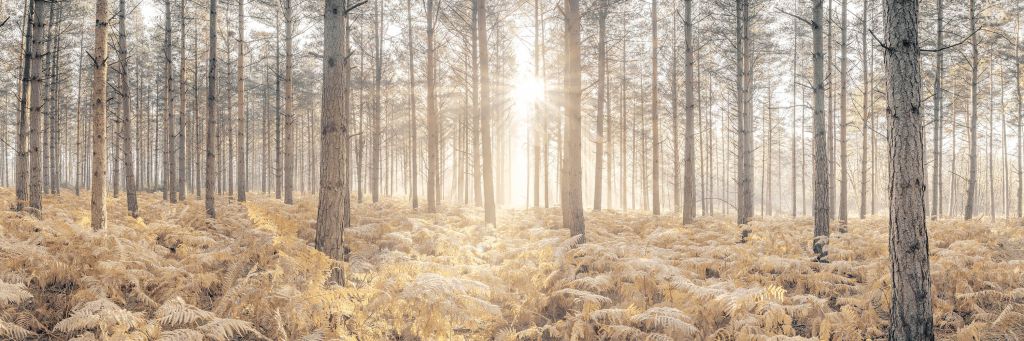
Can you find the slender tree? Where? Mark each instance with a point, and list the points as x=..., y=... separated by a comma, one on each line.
x=35, y=181
x=972, y=130
x=821, y=164
x=655, y=139
x=98, y=216
x=571, y=167
x=485, y=113
x=689, y=176
x=126, y=115
x=211, y=116
x=241, y=179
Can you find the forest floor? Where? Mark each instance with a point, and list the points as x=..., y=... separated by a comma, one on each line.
x=252, y=274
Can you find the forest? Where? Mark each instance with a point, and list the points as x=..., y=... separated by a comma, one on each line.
x=511, y=170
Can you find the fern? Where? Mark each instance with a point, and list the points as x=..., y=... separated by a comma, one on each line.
x=175, y=312
x=13, y=331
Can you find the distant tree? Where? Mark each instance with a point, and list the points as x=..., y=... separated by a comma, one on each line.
x=490, y=216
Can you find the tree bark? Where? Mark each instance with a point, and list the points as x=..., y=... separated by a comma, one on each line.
x=937, y=124
x=821, y=162
x=910, y=314
x=689, y=176
x=490, y=215
x=98, y=216
x=21, y=165
x=170, y=181
x=241, y=177
x=972, y=179
x=289, y=114
x=126, y=115
x=655, y=139
x=602, y=67
x=35, y=187
x=211, y=115
x=571, y=168
x=843, y=166
x=333, y=210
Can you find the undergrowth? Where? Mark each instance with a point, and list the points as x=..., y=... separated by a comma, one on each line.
x=252, y=274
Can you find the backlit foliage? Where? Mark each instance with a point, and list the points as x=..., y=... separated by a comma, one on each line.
x=252, y=274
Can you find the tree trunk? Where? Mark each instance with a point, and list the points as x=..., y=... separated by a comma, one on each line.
x=745, y=205
x=689, y=177
x=98, y=216
x=35, y=186
x=289, y=114
x=602, y=66
x=490, y=215
x=241, y=178
x=843, y=166
x=333, y=209
x=655, y=139
x=170, y=181
x=937, y=123
x=910, y=314
x=821, y=164
x=972, y=179
x=571, y=168
x=126, y=115
x=211, y=115
x=375, y=162
x=413, y=150
x=24, y=112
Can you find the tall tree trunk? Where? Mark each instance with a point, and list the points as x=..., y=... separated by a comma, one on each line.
x=843, y=166
x=602, y=66
x=413, y=150
x=972, y=179
x=821, y=164
x=937, y=121
x=170, y=181
x=241, y=178
x=289, y=114
x=333, y=211
x=182, y=127
x=490, y=215
x=571, y=167
x=910, y=313
x=98, y=216
x=655, y=139
x=126, y=115
x=378, y=39
x=35, y=187
x=433, y=126
x=21, y=165
x=689, y=177
x=211, y=115
x=745, y=205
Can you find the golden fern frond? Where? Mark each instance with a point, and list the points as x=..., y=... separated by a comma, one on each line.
x=13, y=293
x=584, y=296
x=98, y=314
x=181, y=335
x=621, y=332
x=175, y=312
x=11, y=331
x=667, y=319
x=223, y=329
